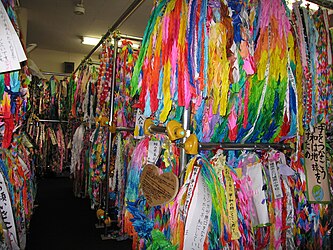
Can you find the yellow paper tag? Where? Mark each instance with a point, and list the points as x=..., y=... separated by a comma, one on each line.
x=239, y=172
x=232, y=210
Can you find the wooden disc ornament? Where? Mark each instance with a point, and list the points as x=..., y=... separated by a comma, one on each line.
x=158, y=188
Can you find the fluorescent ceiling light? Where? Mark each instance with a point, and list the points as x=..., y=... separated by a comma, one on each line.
x=90, y=40
x=94, y=41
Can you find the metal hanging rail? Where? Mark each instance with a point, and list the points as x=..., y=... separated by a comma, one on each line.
x=54, y=121
x=241, y=146
x=157, y=129
x=132, y=38
x=55, y=74
x=119, y=129
x=135, y=4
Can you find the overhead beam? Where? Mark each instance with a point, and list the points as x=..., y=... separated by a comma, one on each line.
x=324, y=3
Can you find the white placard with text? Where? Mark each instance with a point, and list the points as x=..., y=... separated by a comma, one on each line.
x=139, y=122
x=11, y=50
x=154, y=150
x=198, y=217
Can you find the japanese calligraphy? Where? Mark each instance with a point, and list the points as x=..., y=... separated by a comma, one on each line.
x=275, y=180
x=7, y=213
x=154, y=150
x=139, y=122
x=158, y=188
x=190, y=189
x=198, y=218
x=11, y=50
x=232, y=211
x=315, y=164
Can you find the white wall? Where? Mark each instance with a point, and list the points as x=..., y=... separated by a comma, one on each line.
x=53, y=61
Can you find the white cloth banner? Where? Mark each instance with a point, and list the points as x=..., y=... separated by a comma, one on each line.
x=7, y=213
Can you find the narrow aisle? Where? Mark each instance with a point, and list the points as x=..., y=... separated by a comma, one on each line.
x=62, y=221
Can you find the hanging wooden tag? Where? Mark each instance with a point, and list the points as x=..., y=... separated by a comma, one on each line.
x=158, y=188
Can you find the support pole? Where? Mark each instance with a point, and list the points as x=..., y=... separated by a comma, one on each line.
x=183, y=155
x=108, y=156
x=135, y=4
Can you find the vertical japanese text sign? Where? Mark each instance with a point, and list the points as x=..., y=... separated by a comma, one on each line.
x=139, y=122
x=315, y=164
x=7, y=215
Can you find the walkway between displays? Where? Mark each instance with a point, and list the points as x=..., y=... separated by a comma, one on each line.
x=64, y=222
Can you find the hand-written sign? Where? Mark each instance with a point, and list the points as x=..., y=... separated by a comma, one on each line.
x=158, y=188
x=192, y=181
x=139, y=122
x=275, y=180
x=198, y=218
x=11, y=50
x=315, y=164
x=232, y=210
x=7, y=213
x=154, y=150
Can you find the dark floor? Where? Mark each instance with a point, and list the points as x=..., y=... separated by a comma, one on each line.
x=63, y=222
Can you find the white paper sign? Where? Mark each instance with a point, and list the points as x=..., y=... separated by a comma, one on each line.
x=154, y=150
x=7, y=213
x=11, y=50
x=275, y=180
x=317, y=178
x=198, y=217
x=139, y=122
x=259, y=198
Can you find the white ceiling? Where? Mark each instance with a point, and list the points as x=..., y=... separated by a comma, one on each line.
x=53, y=25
